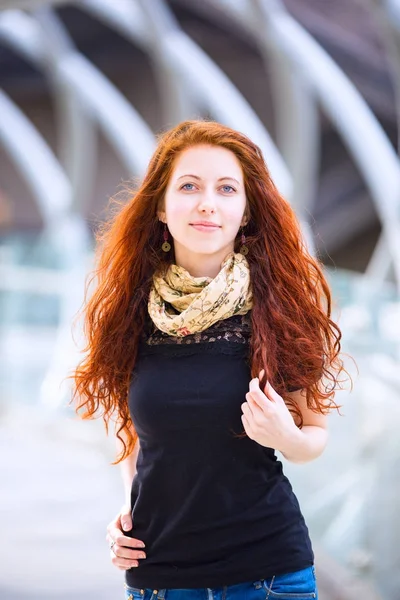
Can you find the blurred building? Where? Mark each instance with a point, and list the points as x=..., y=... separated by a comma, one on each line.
x=84, y=87
x=342, y=213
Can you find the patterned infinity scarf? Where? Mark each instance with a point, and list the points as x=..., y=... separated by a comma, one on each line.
x=200, y=301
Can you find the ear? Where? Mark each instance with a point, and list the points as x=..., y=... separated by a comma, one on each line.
x=245, y=218
x=162, y=217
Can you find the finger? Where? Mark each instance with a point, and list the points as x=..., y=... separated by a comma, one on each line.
x=123, y=563
x=257, y=397
x=271, y=393
x=246, y=409
x=257, y=393
x=258, y=407
x=124, y=552
x=126, y=519
x=246, y=426
x=258, y=415
x=123, y=540
x=254, y=385
x=114, y=525
x=252, y=412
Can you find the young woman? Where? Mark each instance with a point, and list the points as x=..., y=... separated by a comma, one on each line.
x=210, y=344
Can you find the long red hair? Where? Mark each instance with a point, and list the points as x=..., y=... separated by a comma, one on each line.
x=293, y=337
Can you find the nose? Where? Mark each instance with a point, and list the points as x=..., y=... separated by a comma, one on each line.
x=207, y=204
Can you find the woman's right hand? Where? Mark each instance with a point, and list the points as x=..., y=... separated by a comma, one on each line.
x=124, y=550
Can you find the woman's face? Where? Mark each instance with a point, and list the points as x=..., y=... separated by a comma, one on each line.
x=205, y=203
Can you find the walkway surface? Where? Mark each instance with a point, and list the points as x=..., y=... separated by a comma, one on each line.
x=57, y=494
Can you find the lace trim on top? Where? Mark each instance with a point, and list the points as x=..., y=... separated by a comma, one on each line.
x=230, y=336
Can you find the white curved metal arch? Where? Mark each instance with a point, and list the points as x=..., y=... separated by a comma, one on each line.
x=42, y=45
x=365, y=138
x=35, y=161
x=393, y=10
x=125, y=128
x=296, y=117
x=76, y=135
x=67, y=230
x=211, y=87
x=360, y=131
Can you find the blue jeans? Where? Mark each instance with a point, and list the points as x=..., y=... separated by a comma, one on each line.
x=300, y=585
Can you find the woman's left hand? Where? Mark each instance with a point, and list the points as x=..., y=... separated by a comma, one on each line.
x=266, y=418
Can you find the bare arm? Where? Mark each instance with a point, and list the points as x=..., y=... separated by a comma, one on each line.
x=128, y=469
x=124, y=549
x=268, y=421
x=307, y=443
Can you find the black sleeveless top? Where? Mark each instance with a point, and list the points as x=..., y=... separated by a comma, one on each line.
x=212, y=508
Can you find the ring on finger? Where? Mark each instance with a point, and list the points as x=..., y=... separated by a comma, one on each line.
x=112, y=545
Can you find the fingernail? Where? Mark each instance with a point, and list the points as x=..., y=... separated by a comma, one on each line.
x=125, y=526
x=142, y=556
x=141, y=545
x=135, y=564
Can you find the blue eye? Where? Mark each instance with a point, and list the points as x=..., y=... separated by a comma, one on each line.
x=185, y=184
x=228, y=186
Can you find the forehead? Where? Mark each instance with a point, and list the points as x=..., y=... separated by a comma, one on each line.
x=208, y=162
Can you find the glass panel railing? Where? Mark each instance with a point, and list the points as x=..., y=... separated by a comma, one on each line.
x=348, y=495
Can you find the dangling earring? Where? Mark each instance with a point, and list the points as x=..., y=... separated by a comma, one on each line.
x=243, y=248
x=166, y=245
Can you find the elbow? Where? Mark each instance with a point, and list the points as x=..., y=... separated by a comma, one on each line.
x=302, y=460
x=312, y=446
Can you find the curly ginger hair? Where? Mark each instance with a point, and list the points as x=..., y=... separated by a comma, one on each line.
x=293, y=338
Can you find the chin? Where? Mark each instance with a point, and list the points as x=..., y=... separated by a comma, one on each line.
x=206, y=250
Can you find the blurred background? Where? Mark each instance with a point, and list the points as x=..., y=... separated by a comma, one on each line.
x=85, y=86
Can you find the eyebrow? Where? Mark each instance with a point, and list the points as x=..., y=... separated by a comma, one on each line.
x=199, y=178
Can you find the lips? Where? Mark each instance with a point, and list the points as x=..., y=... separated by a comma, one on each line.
x=205, y=227
x=205, y=224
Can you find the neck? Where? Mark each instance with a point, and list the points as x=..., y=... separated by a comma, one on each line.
x=200, y=265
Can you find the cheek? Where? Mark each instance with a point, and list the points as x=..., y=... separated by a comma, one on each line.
x=232, y=216
x=177, y=219
x=177, y=213
x=233, y=211
x=176, y=210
